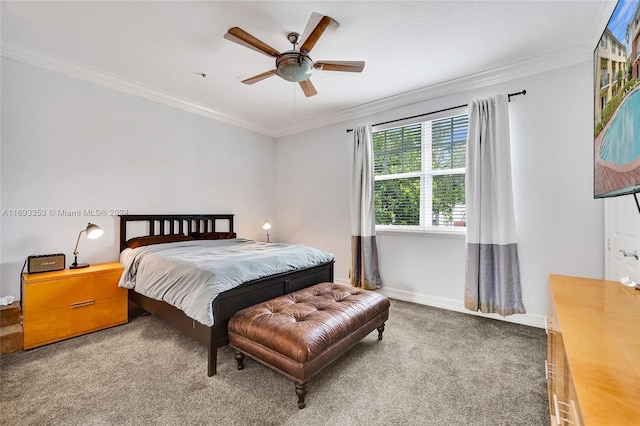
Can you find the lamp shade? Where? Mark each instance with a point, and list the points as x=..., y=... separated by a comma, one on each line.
x=94, y=231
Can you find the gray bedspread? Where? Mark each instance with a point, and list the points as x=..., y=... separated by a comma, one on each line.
x=190, y=274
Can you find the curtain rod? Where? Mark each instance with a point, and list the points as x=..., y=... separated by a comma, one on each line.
x=523, y=92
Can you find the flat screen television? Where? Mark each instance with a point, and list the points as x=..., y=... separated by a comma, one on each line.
x=617, y=104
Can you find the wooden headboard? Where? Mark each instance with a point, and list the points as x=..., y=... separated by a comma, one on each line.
x=165, y=224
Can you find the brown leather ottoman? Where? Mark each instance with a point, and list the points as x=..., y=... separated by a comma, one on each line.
x=299, y=333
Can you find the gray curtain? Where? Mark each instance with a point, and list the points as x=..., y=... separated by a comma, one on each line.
x=364, y=252
x=492, y=266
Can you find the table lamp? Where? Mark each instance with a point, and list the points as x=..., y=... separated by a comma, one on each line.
x=93, y=231
x=266, y=226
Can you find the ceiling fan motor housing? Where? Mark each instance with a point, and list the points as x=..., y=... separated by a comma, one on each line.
x=294, y=66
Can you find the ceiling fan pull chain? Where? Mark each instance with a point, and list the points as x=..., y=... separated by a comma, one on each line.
x=294, y=107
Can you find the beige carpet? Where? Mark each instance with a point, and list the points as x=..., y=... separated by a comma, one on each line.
x=433, y=367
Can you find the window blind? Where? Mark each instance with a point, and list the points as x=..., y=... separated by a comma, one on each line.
x=419, y=173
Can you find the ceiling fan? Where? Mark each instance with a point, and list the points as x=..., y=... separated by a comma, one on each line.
x=295, y=65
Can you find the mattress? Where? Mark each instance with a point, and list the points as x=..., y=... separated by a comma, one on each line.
x=191, y=274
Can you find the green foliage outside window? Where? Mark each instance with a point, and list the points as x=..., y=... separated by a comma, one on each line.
x=449, y=145
x=397, y=202
x=399, y=151
x=448, y=193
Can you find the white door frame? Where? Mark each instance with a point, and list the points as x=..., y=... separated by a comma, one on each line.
x=621, y=233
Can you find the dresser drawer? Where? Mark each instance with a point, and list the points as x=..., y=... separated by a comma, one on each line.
x=63, y=293
x=53, y=325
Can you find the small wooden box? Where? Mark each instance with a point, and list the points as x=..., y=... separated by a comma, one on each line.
x=11, y=335
x=10, y=314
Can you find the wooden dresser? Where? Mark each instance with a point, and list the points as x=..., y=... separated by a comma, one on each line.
x=593, y=354
x=63, y=304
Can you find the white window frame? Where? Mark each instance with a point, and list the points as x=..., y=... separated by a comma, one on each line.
x=425, y=175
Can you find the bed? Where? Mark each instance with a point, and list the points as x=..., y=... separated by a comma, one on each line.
x=226, y=303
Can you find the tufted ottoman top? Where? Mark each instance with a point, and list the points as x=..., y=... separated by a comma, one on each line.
x=303, y=324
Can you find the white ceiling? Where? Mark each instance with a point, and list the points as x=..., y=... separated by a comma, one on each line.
x=159, y=49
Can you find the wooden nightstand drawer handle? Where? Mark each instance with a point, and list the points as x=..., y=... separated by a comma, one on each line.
x=81, y=304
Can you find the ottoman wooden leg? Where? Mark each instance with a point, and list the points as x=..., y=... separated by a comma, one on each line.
x=240, y=359
x=380, y=331
x=301, y=391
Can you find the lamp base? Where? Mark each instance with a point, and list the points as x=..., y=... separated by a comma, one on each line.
x=78, y=265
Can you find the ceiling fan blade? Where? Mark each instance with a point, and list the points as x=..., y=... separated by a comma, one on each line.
x=348, y=66
x=319, y=29
x=259, y=77
x=245, y=39
x=308, y=89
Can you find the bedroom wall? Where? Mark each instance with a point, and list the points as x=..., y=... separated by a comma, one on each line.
x=67, y=144
x=560, y=225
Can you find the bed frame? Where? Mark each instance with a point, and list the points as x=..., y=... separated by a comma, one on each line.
x=227, y=303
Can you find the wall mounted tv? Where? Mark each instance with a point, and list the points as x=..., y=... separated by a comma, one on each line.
x=617, y=104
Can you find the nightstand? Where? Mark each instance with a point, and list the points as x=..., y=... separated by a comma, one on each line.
x=68, y=303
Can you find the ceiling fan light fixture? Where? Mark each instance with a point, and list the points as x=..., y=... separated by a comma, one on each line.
x=294, y=66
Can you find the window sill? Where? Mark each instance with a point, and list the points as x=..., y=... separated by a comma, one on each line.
x=459, y=231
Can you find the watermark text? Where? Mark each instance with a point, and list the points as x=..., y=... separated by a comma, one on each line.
x=28, y=212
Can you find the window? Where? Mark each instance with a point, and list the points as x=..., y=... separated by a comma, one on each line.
x=419, y=173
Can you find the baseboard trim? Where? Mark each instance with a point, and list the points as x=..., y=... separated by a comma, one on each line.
x=454, y=305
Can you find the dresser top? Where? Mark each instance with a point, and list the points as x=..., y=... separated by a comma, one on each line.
x=600, y=325
x=66, y=273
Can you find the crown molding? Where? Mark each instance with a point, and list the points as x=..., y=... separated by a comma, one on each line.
x=16, y=51
x=561, y=59
x=556, y=60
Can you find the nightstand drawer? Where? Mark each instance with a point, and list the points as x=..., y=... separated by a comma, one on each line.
x=53, y=325
x=63, y=293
